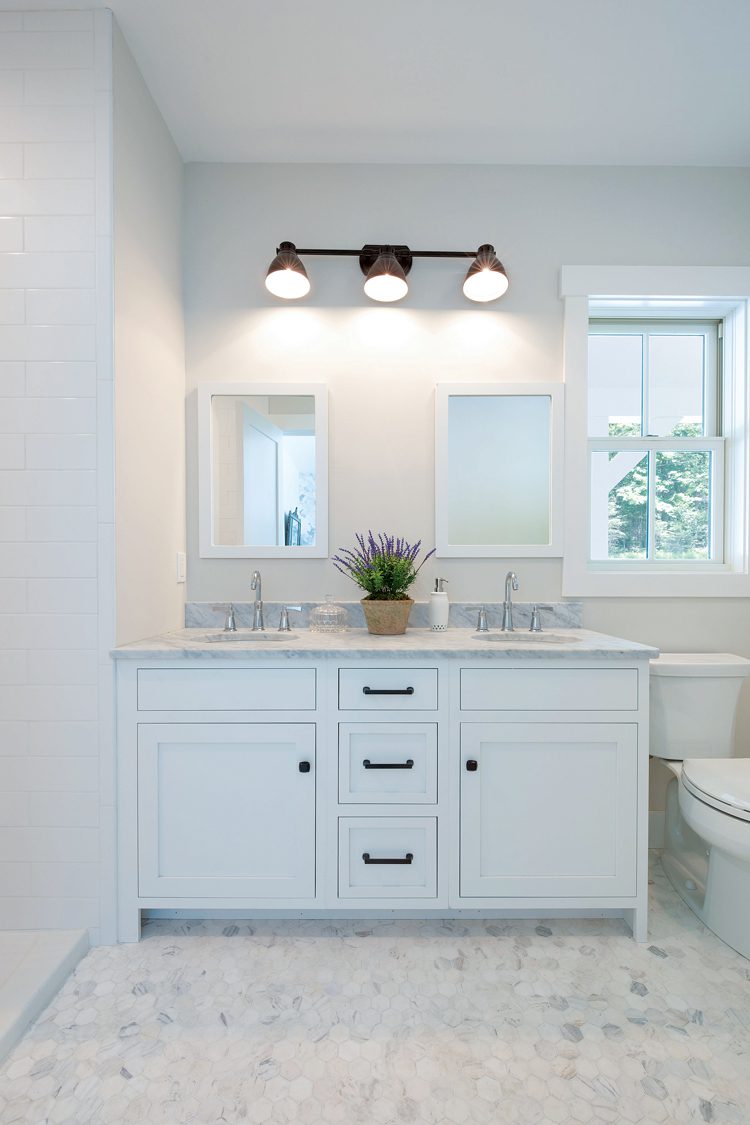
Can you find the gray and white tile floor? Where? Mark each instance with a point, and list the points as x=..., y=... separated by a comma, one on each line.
x=554, y=1023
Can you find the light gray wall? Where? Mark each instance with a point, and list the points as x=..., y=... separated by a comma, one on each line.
x=381, y=364
x=149, y=359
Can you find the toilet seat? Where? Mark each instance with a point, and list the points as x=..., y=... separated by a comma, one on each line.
x=722, y=783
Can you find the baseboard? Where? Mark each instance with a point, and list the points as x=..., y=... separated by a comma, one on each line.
x=39, y=963
x=656, y=829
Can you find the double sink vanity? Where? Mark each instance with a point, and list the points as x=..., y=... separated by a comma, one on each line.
x=436, y=774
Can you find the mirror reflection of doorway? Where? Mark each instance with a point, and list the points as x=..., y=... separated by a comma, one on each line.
x=261, y=471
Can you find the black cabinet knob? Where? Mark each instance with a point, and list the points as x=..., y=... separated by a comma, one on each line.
x=472, y=765
x=304, y=767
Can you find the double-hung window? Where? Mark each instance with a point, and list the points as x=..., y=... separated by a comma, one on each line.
x=657, y=431
x=656, y=457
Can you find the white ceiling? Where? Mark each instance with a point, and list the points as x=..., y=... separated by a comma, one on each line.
x=449, y=81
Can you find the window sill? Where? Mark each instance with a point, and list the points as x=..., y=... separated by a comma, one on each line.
x=713, y=582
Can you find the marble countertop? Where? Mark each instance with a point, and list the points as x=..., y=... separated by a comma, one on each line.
x=416, y=643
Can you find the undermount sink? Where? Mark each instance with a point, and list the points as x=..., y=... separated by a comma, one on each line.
x=246, y=637
x=527, y=638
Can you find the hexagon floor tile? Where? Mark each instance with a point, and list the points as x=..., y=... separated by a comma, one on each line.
x=553, y=1023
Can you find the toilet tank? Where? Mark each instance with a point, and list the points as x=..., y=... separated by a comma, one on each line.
x=693, y=704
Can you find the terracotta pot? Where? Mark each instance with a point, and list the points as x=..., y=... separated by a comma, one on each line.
x=387, y=618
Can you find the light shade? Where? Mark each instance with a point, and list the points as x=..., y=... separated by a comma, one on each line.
x=286, y=276
x=386, y=280
x=486, y=279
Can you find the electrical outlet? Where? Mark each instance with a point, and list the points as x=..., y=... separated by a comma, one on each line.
x=181, y=566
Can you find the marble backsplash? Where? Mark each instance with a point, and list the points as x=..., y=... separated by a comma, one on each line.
x=463, y=615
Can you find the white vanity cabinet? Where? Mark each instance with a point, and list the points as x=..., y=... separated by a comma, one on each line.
x=553, y=761
x=218, y=787
x=353, y=778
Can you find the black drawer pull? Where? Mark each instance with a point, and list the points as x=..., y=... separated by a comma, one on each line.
x=388, y=691
x=407, y=765
x=407, y=859
x=304, y=767
x=472, y=765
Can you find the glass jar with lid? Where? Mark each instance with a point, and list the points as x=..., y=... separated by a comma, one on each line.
x=328, y=617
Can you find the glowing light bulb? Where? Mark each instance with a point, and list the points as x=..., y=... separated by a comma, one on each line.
x=486, y=279
x=386, y=280
x=286, y=275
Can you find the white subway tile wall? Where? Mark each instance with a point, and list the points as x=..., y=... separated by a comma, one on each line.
x=56, y=455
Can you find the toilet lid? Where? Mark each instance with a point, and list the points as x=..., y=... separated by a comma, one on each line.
x=704, y=665
x=721, y=782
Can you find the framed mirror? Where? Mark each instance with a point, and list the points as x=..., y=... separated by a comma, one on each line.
x=263, y=470
x=498, y=470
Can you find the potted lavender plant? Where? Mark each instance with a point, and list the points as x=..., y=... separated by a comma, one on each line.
x=385, y=568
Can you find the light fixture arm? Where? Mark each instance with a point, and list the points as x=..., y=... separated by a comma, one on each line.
x=376, y=249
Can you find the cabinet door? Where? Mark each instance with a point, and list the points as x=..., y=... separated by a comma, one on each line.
x=548, y=809
x=226, y=810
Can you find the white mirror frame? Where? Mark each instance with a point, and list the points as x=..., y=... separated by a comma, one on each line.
x=446, y=549
x=211, y=550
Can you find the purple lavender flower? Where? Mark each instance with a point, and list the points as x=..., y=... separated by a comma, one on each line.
x=383, y=567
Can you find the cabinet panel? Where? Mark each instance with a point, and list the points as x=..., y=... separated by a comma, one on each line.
x=226, y=689
x=388, y=762
x=388, y=857
x=388, y=689
x=553, y=689
x=226, y=809
x=548, y=809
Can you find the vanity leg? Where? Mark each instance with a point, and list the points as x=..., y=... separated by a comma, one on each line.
x=129, y=926
x=638, y=920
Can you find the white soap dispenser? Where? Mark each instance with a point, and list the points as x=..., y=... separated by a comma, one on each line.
x=439, y=606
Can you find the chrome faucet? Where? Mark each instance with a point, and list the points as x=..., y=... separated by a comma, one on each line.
x=255, y=584
x=511, y=584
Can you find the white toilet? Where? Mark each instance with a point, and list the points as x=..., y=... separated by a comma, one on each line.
x=707, y=830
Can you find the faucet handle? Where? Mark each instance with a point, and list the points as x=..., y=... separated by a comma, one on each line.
x=536, y=620
x=284, y=619
x=482, y=626
x=230, y=618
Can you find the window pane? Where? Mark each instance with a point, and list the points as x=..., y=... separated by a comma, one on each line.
x=675, y=386
x=619, y=505
x=683, y=505
x=615, y=385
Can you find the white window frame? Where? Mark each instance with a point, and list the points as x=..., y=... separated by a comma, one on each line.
x=715, y=292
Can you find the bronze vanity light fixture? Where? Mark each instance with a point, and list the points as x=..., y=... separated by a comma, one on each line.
x=385, y=269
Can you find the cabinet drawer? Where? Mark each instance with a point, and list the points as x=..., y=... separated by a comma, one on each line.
x=388, y=689
x=388, y=763
x=387, y=857
x=553, y=689
x=226, y=689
